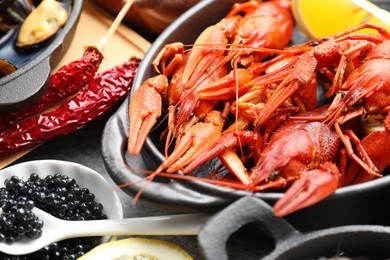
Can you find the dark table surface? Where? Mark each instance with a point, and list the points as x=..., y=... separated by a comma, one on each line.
x=88, y=152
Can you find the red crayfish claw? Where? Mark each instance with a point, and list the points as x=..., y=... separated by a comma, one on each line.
x=144, y=109
x=311, y=187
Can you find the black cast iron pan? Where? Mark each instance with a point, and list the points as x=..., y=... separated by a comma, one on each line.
x=352, y=242
x=28, y=83
x=365, y=203
x=359, y=204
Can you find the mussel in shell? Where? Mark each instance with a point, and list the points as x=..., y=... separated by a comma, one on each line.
x=42, y=23
x=13, y=13
x=6, y=68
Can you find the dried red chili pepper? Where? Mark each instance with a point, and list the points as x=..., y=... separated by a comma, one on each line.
x=64, y=83
x=94, y=99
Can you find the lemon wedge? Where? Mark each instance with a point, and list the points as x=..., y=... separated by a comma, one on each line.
x=137, y=249
x=323, y=18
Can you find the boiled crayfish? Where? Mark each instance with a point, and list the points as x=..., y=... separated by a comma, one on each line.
x=244, y=96
x=207, y=63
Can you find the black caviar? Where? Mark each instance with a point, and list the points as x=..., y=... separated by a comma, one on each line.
x=56, y=194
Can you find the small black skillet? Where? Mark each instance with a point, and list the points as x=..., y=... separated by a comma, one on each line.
x=28, y=83
x=353, y=241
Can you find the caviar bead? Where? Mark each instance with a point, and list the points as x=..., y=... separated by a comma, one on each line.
x=9, y=185
x=29, y=204
x=10, y=239
x=61, y=191
x=20, y=214
x=70, y=197
x=57, y=255
x=34, y=177
x=7, y=224
x=34, y=233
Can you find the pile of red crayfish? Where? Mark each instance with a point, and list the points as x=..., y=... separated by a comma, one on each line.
x=241, y=94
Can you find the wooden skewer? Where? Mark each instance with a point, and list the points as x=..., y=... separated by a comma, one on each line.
x=115, y=24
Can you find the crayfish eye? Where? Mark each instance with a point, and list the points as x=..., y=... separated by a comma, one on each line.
x=343, y=94
x=273, y=175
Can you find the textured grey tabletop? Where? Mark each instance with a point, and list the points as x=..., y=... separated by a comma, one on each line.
x=88, y=153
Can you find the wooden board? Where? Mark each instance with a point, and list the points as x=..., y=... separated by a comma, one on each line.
x=94, y=23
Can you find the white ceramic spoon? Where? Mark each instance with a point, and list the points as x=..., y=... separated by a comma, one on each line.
x=55, y=229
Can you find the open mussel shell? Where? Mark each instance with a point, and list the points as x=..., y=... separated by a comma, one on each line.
x=13, y=13
x=6, y=68
x=41, y=24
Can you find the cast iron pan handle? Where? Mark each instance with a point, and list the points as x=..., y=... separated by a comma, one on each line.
x=25, y=89
x=216, y=232
x=170, y=193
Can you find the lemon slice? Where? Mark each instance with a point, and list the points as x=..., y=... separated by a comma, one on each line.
x=323, y=18
x=137, y=249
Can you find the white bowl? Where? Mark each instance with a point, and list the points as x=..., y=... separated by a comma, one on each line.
x=84, y=176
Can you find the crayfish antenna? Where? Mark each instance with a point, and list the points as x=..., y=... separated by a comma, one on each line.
x=224, y=147
x=312, y=187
